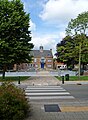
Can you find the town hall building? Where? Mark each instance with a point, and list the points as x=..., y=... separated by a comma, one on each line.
x=42, y=58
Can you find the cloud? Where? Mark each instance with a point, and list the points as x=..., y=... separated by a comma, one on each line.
x=62, y=10
x=32, y=26
x=45, y=40
x=48, y=41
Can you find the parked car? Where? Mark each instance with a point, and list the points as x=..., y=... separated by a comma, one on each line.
x=63, y=67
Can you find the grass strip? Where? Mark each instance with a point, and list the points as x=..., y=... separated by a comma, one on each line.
x=74, y=78
x=15, y=78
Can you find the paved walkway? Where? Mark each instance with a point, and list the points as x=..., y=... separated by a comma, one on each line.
x=71, y=109
x=49, y=80
x=45, y=78
x=72, y=112
x=42, y=80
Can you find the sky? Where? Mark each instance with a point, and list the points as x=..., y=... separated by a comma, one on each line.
x=49, y=19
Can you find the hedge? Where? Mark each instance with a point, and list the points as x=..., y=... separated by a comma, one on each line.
x=13, y=104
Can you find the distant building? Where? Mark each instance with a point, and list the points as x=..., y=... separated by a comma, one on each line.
x=57, y=64
x=42, y=58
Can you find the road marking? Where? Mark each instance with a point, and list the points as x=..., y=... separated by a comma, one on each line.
x=47, y=92
x=61, y=93
x=44, y=87
x=74, y=109
x=49, y=97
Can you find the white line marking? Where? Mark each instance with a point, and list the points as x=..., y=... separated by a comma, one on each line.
x=50, y=97
x=61, y=93
x=45, y=90
x=43, y=86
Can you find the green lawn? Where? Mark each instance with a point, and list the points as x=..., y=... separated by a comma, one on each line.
x=21, y=78
x=74, y=78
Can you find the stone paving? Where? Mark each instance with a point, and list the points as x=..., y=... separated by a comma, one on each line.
x=42, y=80
x=37, y=106
x=38, y=112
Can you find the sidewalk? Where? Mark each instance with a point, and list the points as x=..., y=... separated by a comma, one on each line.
x=70, y=109
x=68, y=113
x=50, y=80
x=41, y=80
x=75, y=82
x=45, y=78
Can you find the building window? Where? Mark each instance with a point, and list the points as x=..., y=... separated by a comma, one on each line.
x=49, y=54
x=49, y=66
x=36, y=65
x=49, y=60
x=30, y=65
x=35, y=60
x=42, y=60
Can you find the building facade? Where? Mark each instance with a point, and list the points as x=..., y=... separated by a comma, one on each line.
x=42, y=58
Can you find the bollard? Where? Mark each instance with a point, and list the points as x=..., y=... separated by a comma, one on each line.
x=62, y=79
x=19, y=80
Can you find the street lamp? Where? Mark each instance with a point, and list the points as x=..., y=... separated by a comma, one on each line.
x=79, y=60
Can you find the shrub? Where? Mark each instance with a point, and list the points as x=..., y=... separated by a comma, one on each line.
x=13, y=104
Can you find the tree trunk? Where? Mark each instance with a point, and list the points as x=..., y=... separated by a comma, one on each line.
x=4, y=70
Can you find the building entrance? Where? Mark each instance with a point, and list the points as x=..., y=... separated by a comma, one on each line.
x=42, y=65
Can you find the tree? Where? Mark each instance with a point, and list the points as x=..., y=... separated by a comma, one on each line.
x=65, y=51
x=77, y=47
x=78, y=27
x=15, y=37
x=68, y=50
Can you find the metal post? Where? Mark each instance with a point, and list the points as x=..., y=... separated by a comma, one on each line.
x=62, y=79
x=18, y=79
x=79, y=59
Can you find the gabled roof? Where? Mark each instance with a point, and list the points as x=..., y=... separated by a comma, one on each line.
x=44, y=53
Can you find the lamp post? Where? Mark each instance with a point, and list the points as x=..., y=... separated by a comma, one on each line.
x=79, y=60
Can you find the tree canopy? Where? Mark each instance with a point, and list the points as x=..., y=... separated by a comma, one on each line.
x=78, y=25
x=15, y=37
x=68, y=50
x=76, y=41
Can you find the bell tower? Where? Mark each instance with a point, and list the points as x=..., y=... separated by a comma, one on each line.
x=41, y=48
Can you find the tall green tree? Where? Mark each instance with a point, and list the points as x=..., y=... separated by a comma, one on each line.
x=15, y=37
x=77, y=47
x=65, y=51
x=68, y=50
x=79, y=27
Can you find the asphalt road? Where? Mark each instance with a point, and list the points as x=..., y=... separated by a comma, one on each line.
x=80, y=92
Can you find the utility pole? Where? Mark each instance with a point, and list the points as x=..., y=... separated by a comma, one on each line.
x=79, y=59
